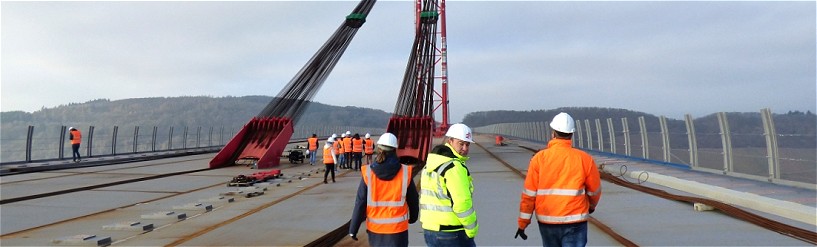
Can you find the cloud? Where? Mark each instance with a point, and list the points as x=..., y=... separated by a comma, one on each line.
x=665, y=58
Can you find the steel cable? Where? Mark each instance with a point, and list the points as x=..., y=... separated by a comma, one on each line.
x=293, y=99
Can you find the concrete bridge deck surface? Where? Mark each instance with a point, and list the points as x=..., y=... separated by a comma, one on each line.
x=273, y=220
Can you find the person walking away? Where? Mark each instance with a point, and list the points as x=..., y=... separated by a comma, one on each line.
x=446, y=192
x=338, y=147
x=368, y=148
x=347, y=150
x=312, y=144
x=357, y=151
x=76, y=138
x=386, y=199
x=329, y=159
x=562, y=188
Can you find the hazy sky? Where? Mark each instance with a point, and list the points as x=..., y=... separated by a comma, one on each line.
x=663, y=58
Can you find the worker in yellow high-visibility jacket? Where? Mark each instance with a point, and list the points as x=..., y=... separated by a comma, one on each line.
x=446, y=189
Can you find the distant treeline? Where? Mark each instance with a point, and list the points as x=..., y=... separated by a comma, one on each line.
x=235, y=111
x=187, y=111
x=797, y=129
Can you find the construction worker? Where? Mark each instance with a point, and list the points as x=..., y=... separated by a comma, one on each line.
x=312, y=148
x=446, y=190
x=357, y=151
x=338, y=147
x=347, y=150
x=76, y=138
x=562, y=189
x=386, y=198
x=329, y=159
x=368, y=148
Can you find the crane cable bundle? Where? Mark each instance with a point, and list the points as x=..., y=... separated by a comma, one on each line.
x=294, y=97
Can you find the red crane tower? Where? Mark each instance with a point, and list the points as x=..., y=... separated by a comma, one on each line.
x=441, y=58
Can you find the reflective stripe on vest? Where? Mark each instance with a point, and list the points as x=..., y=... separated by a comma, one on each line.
x=347, y=145
x=368, y=146
x=386, y=216
x=313, y=143
x=327, y=156
x=357, y=145
x=77, y=137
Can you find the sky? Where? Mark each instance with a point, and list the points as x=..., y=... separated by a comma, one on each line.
x=662, y=58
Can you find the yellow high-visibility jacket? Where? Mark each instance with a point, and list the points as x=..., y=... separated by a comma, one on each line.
x=446, y=190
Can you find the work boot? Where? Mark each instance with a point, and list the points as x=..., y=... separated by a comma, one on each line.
x=324, y=181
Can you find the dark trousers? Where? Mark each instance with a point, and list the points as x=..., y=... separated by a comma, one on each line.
x=75, y=147
x=348, y=162
x=458, y=238
x=357, y=157
x=564, y=235
x=394, y=239
x=329, y=168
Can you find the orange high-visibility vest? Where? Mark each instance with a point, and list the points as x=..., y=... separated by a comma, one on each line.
x=347, y=144
x=313, y=143
x=368, y=147
x=77, y=137
x=561, y=186
x=357, y=145
x=337, y=147
x=386, y=207
x=327, y=156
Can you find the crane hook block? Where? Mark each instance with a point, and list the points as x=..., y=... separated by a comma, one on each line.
x=355, y=20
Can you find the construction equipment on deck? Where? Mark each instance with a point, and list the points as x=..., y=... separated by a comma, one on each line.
x=264, y=137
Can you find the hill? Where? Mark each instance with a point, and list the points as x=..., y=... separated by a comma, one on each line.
x=186, y=111
x=236, y=111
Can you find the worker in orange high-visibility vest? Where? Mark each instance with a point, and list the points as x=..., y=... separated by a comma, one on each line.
x=368, y=148
x=337, y=146
x=312, y=148
x=387, y=198
x=347, y=151
x=357, y=151
x=329, y=159
x=76, y=138
x=562, y=188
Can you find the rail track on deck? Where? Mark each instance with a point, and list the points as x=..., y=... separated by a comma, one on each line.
x=335, y=236
x=94, y=186
x=776, y=226
x=338, y=235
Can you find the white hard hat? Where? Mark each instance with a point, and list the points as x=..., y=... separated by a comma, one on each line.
x=367, y=135
x=387, y=139
x=70, y=128
x=460, y=131
x=330, y=140
x=564, y=123
x=334, y=135
x=348, y=132
x=343, y=135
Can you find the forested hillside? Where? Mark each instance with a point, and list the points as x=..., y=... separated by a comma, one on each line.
x=236, y=111
x=187, y=111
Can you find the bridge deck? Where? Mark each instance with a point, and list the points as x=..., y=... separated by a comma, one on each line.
x=274, y=219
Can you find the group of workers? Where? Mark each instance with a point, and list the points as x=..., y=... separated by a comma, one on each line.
x=561, y=189
x=346, y=151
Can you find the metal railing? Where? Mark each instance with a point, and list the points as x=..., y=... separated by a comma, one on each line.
x=26, y=144
x=702, y=150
